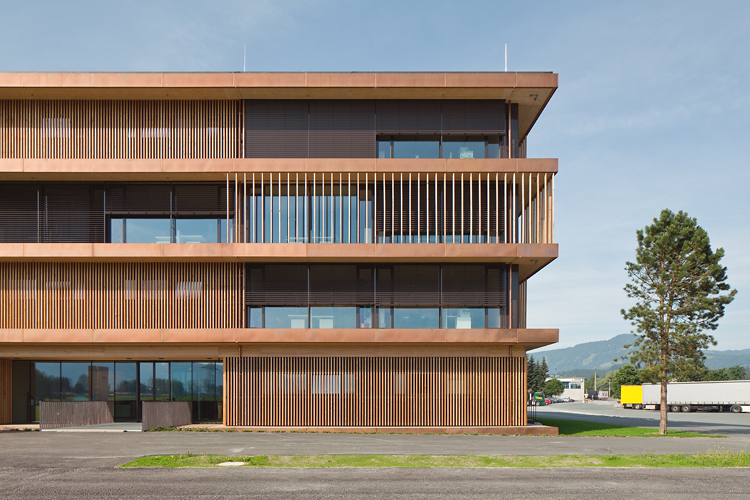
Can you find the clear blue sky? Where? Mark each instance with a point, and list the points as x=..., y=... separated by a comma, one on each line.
x=651, y=113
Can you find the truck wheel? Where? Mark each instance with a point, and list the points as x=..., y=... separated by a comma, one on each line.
x=686, y=409
x=736, y=409
x=638, y=407
x=674, y=408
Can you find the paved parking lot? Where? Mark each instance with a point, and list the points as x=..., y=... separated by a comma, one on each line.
x=43, y=465
x=735, y=424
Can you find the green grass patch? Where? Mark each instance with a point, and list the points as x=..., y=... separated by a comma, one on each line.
x=717, y=458
x=583, y=428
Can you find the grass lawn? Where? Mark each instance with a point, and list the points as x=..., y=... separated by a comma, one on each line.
x=711, y=459
x=583, y=428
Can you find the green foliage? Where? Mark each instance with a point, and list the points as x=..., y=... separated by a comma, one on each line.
x=731, y=373
x=536, y=373
x=680, y=291
x=543, y=369
x=554, y=387
x=625, y=375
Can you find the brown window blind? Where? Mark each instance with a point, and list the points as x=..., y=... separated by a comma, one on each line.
x=476, y=116
x=276, y=285
x=201, y=199
x=416, y=285
x=463, y=285
x=276, y=129
x=342, y=129
x=18, y=213
x=69, y=217
x=340, y=284
x=408, y=116
x=140, y=199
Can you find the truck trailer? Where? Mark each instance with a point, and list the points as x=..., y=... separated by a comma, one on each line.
x=729, y=395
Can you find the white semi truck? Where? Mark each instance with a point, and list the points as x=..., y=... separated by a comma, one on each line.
x=730, y=395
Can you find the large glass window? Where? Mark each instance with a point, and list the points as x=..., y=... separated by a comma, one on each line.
x=333, y=317
x=74, y=381
x=137, y=230
x=197, y=231
x=329, y=296
x=103, y=381
x=464, y=148
x=126, y=384
x=182, y=381
x=463, y=318
x=285, y=317
x=47, y=381
x=416, y=317
x=126, y=387
x=416, y=147
x=431, y=146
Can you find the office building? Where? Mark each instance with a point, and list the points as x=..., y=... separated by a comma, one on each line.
x=281, y=249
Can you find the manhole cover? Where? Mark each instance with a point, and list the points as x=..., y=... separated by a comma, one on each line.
x=231, y=464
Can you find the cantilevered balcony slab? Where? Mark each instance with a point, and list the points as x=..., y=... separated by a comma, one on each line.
x=69, y=343
x=529, y=257
x=187, y=169
x=531, y=91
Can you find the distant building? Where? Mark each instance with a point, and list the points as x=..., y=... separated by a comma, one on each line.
x=573, y=387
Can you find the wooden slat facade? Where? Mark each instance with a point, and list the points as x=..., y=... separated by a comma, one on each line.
x=375, y=391
x=6, y=391
x=121, y=295
x=120, y=129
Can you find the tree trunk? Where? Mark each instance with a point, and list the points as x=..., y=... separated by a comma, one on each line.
x=663, y=406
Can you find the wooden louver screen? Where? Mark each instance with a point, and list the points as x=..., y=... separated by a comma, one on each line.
x=120, y=129
x=375, y=391
x=120, y=295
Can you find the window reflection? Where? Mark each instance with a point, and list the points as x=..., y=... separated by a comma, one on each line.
x=333, y=317
x=463, y=149
x=416, y=317
x=197, y=231
x=286, y=317
x=123, y=383
x=463, y=318
x=182, y=381
x=418, y=147
x=74, y=380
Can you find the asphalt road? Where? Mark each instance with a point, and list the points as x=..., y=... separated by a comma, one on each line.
x=43, y=465
x=602, y=484
x=107, y=450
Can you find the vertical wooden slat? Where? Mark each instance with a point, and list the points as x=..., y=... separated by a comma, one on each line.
x=377, y=391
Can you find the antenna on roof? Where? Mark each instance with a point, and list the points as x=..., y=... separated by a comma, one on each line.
x=506, y=57
x=244, y=60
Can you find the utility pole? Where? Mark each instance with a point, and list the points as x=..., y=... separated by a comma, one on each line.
x=594, y=381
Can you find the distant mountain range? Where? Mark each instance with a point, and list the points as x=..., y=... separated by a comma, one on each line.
x=583, y=359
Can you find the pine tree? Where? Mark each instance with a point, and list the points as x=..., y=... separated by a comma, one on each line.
x=677, y=283
x=543, y=370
